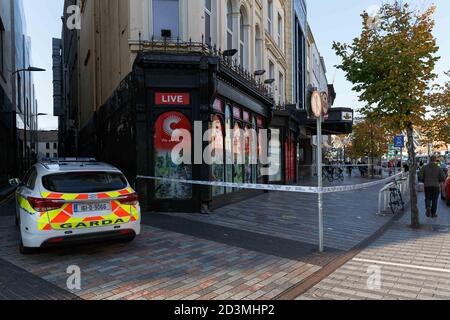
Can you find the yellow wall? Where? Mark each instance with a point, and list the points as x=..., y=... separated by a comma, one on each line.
x=110, y=32
x=104, y=57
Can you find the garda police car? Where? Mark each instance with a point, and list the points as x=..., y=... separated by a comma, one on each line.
x=62, y=201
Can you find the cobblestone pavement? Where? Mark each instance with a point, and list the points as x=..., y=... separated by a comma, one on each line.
x=18, y=284
x=256, y=249
x=414, y=264
x=350, y=217
x=160, y=265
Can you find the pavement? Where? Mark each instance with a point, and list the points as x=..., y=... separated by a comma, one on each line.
x=257, y=249
x=5, y=192
x=413, y=264
x=349, y=216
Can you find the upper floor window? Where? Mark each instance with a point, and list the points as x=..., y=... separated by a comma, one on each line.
x=271, y=72
x=281, y=88
x=270, y=16
x=208, y=15
x=229, y=25
x=2, y=48
x=243, y=39
x=258, y=48
x=280, y=32
x=166, y=19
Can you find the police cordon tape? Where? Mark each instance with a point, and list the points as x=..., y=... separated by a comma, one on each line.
x=268, y=187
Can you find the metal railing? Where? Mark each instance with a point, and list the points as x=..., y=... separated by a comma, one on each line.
x=229, y=63
x=384, y=194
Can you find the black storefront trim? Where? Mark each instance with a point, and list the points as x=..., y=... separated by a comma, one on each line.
x=122, y=131
x=333, y=125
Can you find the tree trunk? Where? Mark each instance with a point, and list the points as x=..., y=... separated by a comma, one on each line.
x=415, y=221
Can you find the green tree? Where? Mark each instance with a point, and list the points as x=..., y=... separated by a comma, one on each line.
x=438, y=125
x=369, y=139
x=391, y=65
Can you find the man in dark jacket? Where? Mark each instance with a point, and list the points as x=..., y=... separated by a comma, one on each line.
x=432, y=176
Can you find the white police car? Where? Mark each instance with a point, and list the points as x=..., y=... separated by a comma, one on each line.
x=66, y=201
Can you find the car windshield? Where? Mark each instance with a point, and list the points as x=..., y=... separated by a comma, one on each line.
x=84, y=182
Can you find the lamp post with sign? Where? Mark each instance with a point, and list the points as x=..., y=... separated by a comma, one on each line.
x=318, y=107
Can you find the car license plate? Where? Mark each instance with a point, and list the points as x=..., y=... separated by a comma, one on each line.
x=92, y=207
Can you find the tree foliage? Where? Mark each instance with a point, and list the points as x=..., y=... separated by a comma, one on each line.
x=391, y=65
x=437, y=127
x=369, y=139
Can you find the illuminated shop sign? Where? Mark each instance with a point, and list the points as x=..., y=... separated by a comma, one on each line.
x=170, y=98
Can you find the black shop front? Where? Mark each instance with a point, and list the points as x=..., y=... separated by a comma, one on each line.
x=193, y=93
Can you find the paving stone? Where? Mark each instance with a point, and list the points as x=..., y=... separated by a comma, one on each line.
x=401, y=245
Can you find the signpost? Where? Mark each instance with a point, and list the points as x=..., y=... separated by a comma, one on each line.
x=320, y=182
x=319, y=107
x=399, y=142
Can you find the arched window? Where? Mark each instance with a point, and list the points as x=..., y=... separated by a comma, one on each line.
x=229, y=25
x=270, y=16
x=243, y=39
x=208, y=18
x=258, y=49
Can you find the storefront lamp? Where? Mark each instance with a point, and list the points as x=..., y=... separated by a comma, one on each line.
x=230, y=53
x=269, y=81
x=259, y=73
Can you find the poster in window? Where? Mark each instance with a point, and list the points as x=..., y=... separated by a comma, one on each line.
x=166, y=124
x=238, y=146
x=217, y=142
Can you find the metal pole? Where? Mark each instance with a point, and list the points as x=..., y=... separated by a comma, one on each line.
x=25, y=120
x=320, y=184
x=401, y=159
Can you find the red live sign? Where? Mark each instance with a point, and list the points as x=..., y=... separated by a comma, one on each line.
x=172, y=98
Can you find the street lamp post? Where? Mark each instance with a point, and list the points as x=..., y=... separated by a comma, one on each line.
x=25, y=114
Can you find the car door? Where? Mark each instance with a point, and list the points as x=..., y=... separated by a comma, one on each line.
x=26, y=189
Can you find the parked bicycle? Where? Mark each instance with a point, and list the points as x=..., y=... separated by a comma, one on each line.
x=396, y=202
x=332, y=174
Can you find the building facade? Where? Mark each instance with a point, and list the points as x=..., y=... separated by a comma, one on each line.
x=66, y=77
x=47, y=144
x=142, y=68
x=18, y=105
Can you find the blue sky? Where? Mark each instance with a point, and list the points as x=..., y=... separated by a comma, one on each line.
x=339, y=20
x=330, y=20
x=44, y=23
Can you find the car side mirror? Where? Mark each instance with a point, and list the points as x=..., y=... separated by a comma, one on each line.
x=15, y=182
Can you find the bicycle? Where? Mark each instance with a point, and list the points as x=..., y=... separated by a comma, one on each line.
x=396, y=202
x=327, y=174
x=338, y=175
x=333, y=174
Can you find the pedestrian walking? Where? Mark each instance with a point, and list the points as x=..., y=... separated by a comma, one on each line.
x=431, y=176
x=406, y=167
x=349, y=168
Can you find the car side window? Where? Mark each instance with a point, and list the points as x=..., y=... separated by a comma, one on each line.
x=27, y=176
x=31, y=181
